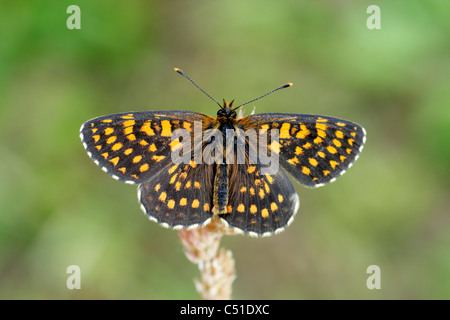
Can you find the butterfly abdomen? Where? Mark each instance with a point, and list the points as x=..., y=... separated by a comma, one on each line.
x=221, y=189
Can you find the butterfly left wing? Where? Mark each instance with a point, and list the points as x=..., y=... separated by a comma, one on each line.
x=314, y=149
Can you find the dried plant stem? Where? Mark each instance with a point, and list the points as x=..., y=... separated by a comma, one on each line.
x=215, y=264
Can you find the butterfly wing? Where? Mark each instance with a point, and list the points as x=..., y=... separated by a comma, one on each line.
x=132, y=147
x=179, y=196
x=314, y=149
x=137, y=148
x=260, y=204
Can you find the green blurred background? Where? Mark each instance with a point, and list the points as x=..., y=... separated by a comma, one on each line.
x=57, y=208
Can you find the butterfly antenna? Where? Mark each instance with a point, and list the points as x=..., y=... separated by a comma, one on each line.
x=287, y=85
x=192, y=81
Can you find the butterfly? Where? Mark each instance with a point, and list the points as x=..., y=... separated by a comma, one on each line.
x=191, y=167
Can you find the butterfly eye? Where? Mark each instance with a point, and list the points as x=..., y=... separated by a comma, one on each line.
x=221, y=113
x=233, y=114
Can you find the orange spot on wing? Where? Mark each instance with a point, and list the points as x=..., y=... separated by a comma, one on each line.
x=333, y=164
x=313, y=162
x=331, y=149
x=306, y=170
x=146, y=128
x=264, y=213
x=116, y=146
x=337, y=143
x=114, y=161
x=294, y=161
x=303, y=132
x=171, y=204
x=339, y=134
x=166, y=128
x=284, y=131
x=108, y=131
x=158, y=158
x=162, y=196
x=195, y=204
x=251, y=169
x=111, y=140
x=128, y=151
x=137, y=159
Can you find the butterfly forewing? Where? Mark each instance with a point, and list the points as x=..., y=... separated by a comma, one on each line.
x=315, y=150
x=133, y=147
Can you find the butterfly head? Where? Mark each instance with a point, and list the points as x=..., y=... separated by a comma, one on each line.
x=227, y=111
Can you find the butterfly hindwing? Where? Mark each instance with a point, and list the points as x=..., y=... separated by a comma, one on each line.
x=260, y=204
x=178, y=196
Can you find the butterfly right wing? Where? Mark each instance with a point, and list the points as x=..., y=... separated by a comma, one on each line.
x=179, y=196
x=132, y=147
x=137, y=148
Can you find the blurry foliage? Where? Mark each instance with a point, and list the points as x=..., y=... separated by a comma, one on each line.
x=391, y=209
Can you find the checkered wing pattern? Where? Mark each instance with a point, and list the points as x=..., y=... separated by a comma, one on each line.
x=136, y=148
x=260, y=204
x=179, y=196
x=133, y=147
x=314, y=149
